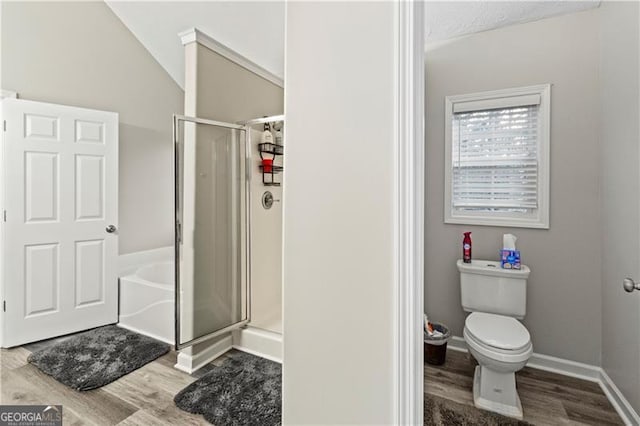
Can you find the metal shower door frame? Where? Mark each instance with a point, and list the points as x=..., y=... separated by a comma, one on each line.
x=178, y=227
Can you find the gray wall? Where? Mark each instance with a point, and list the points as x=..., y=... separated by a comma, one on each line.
x=218, y=89
x=563, y=305
x=620, y=135
x=81, y=54
x=227, y=92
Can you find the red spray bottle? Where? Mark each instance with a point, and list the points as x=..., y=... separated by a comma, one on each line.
x=466, y=248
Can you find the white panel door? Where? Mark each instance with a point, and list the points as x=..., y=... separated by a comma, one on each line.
x=60, y=183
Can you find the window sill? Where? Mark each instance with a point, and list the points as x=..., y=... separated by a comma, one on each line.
x=503, y=222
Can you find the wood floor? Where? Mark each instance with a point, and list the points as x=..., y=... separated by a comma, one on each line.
x=143, y=397
x=547, y=398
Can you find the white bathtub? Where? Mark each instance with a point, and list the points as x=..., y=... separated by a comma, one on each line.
x=147, y=301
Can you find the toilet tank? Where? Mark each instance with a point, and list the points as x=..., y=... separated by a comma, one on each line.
x=486, y=287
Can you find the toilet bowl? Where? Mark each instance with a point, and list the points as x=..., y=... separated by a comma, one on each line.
x=502, y=346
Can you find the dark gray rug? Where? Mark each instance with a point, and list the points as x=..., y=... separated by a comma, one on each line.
x=244, y=390
x=97, y=357
x=444, y=412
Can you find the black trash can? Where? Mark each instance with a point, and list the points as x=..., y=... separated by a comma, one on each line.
x=435, y=348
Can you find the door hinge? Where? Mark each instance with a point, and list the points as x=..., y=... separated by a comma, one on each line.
x=179, y=232
x=4, y=306
x=4, y=125
x=4, y=215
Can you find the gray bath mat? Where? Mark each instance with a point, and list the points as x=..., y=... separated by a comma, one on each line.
x=443, y=412
x=244, y=390
x=97, y=357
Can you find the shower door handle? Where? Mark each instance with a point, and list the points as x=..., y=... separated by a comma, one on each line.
x=111, y=229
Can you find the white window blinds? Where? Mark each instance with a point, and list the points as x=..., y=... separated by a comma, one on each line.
x=495, y=156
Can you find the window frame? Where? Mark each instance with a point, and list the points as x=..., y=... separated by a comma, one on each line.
x=540, y=217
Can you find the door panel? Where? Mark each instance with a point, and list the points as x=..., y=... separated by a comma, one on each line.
x=42, y=186
x=89, y=274
x=212, y=204
x=60, y=180
x=41, y=279
x=89, y=187
x=89, y=132
x=41, y=127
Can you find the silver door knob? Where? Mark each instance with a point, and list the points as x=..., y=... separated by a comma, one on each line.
x=111, y=229
x=629, y=285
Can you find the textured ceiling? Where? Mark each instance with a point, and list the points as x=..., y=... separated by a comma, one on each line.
x=255, y=29
x=448, y=19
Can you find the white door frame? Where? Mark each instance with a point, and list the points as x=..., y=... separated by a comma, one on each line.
x=409, y=212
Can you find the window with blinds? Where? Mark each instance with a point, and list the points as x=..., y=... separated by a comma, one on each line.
x=496, y=149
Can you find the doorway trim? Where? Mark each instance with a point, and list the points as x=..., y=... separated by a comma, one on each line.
x=409, y=212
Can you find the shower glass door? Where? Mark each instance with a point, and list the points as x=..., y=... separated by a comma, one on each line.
x=212, y=228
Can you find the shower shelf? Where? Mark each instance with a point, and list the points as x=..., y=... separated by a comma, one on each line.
x=275, y=169
x=270, y=148
x=268, y=178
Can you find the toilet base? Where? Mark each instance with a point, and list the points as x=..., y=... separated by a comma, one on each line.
x=495, y=391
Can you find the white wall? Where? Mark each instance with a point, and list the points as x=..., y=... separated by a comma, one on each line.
x=338, y=209
x=266, y=245
x=80, y=54
x=620, y=152
x=563, y=305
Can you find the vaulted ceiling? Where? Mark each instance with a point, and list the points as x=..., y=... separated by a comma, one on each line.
x=256, y=29
x=253, y=29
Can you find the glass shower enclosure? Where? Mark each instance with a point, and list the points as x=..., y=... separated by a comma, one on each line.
x=212, y=241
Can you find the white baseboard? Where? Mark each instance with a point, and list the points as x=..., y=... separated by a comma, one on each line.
x=457, y=344
x=578, y=370
x=620, y=403
x=565, y=367
x=262, y=343
x=191, y=362
x=129, y=262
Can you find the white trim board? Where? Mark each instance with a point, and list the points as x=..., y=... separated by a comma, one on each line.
x=409, y=213
x=195, y=35
x=8, y=94
x=262, y=343
x=578, y=370
x=189, y=363
x=622, y=406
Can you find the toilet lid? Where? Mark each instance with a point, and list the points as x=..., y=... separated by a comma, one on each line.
x=498, y=331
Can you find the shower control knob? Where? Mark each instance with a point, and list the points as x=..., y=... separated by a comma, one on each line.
x=268, y=200
x=111, y=229
x=629, y=285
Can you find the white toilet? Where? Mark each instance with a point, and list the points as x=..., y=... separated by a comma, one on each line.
x=496, y=339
